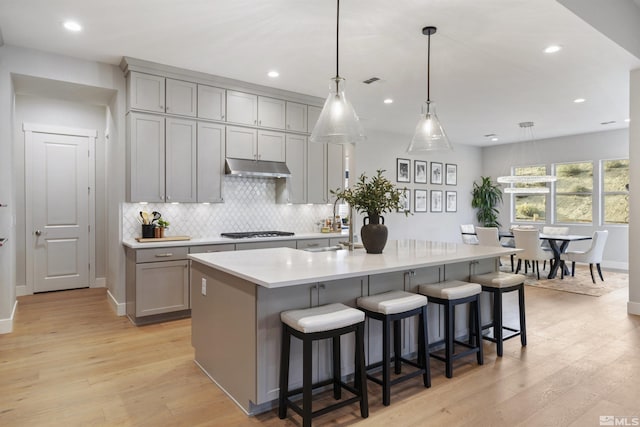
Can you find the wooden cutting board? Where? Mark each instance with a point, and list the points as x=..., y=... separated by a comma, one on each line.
x=162, y=239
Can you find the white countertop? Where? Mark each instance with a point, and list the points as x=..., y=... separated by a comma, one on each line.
x=279, y=267
x=134, y=244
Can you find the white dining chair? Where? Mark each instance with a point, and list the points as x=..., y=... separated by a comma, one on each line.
x=529, y=241
x=489, y=236
x=591, y=256
x=468, y=236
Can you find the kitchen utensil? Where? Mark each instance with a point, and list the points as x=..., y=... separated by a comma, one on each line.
x=145, y=217
x=156, y=216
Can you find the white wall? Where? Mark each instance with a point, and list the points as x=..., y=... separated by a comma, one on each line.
x=381, y=150
x=591, y=147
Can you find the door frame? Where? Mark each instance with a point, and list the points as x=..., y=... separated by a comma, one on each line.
x=91, y=135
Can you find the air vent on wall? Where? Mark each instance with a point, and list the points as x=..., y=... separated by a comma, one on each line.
x=371, y=80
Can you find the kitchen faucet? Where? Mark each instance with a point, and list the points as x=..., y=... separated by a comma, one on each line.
x=351, y=213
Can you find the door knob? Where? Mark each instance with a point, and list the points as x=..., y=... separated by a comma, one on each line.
x=38, y=233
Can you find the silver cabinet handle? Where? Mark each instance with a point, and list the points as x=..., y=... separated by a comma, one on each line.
x=164, y=255
x=38, y=232
x=161, y=107
x=222, y=116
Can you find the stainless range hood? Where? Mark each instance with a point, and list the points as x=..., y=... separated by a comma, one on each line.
x=243, y=167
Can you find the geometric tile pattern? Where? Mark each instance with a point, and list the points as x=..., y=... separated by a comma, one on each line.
x=249, y=205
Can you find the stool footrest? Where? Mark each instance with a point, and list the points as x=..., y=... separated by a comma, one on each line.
x=491, y=337
x=297, y=409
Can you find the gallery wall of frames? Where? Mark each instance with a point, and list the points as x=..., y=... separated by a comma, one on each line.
x=427, y=186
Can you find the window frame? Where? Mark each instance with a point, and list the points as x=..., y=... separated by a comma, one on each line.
x=603, y=193
x=514, y=218
x=594, y=188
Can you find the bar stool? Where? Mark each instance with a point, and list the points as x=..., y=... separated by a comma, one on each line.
x=499, y=283
x=450, y=294
x=318, y=323
x=390, y=308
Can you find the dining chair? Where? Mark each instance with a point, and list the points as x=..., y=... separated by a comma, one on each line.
x=552, y=230
x=489, y=236
x=468, y=236
x=591, y=256
x=529, y=241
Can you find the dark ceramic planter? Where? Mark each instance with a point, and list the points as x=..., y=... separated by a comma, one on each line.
x=374, y=234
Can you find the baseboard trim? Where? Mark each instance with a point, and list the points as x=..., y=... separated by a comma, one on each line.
x=119, y=308
x=6, y=325
x=616, y=265
x=21, y=290
x=101, y=282
x=633, y=308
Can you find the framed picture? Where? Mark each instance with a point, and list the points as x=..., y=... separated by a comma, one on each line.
x=451, y=174
x=436, y=173
x=436, y=200
x=420, y=200
x=419, y=172
x=405, y=200
x=451, y=201
x=403, y=173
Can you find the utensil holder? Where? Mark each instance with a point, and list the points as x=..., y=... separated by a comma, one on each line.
x=148, y=231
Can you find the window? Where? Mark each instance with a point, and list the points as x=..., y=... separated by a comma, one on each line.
x=530, y=207
x=574, y=192
x=615, y=191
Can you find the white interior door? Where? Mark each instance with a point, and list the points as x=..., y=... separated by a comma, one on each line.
x=58, y=212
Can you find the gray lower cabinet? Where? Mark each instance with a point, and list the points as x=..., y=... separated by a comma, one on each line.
x=263, y=245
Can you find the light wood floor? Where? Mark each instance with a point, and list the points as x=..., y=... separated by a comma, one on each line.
x=71, y=362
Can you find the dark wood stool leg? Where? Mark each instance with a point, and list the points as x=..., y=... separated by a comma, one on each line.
x=386, y=356
x=573, y=268
x=423, y=347
x=307, y=363
x=284, y=373
x=337, y=374
x=497, y=321
x=449, y=313
x=361, y=372
x=523, y=322
x=480, y=354
x=397, y=345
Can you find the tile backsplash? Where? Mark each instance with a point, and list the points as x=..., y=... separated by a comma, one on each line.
x=250, y=205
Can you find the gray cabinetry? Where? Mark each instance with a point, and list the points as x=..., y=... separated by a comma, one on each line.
x=294, y=188
x=242, y=108
x=313, y=113
x=181, y=98
x=146, y=167
x=325, y=166
x=271, y=112
x=146, y=92
x=312, y=243
x=210, y=162
x=263, y=245
x=271, y=146
x=212, y=102
x=180, y=162
x=296, y=117
x=253, y=144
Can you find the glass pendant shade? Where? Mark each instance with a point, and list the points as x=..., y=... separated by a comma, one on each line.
x=338, y=122
x=429, y=134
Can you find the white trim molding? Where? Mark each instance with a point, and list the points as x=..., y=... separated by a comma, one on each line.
x=633, y=308
x=101, y=282
x=120, y=308
x=6, y=325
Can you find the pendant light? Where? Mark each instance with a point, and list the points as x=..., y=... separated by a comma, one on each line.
x=527, y=128
x=338, y=121
x=429, y=134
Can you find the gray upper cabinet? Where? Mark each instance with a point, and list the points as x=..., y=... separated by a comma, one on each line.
x=242, y=143
x=296, y=117
x=146, y=157
x=211, y=151
x=271, y=146
x=317, y=173
x=313, y=113
x=181, y=98
x=212, y=102
x=180, y=160
x=146, y=92
x=271, y=112
x=294, y=188
x=242, y=108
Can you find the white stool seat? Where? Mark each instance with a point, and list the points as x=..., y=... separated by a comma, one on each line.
x=452, y=289
x=392, y=302
x=498, y=279
x=322, y=318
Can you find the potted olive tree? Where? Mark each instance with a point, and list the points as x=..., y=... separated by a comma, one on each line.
x=485, y=197
x=373, y=197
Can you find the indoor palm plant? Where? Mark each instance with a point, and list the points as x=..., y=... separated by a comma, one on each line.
x=485, y=197
x=373, y=196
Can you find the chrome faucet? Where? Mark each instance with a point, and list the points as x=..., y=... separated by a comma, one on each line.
x=351, y=213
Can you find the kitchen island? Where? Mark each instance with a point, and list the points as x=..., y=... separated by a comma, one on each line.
x=237, y=298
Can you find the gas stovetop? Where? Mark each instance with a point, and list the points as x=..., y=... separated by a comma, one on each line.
x=248, y=234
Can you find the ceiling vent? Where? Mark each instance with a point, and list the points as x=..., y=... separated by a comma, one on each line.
x=371, y=80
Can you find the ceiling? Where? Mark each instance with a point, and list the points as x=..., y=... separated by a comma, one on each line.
x=488, y=69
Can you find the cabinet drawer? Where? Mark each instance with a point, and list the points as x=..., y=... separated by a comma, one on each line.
x=162, y=287
x=312, y=243
x=161, y=254
x=262, y=245
x=212, y=248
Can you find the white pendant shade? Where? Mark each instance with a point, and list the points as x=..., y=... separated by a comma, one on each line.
x=429, y=134
x=338, y=122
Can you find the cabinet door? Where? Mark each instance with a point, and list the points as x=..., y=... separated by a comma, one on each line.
x=312, y=243
x=242, y=108
x=335, y=167
x=271, y=146
x=271, y=112
x=146, y=92
x=263, y=245
x=146, y=157
x=296, y=117
x=313, y=113
x=181, y=98
x=162, y=287
x=242, y=143
x=294, y=188
x=210, y=169
x=212, y=103
x=317, y=173
x=181, y=161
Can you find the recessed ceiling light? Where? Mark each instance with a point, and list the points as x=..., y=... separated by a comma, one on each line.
x=388, y=101
x=552, y=48
x=273, y=74
x=72, y=26
x=579, y=100
x=494, y=139
x=627, y=120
